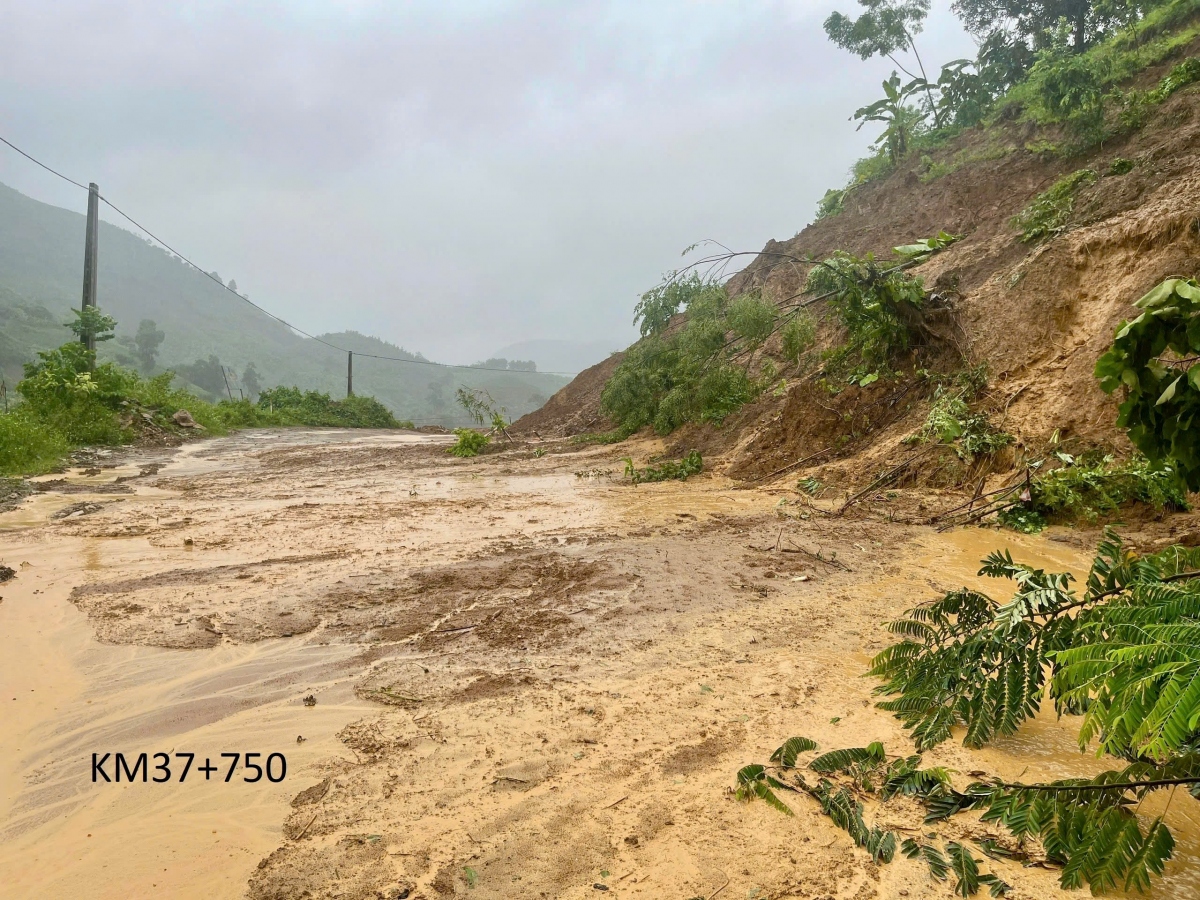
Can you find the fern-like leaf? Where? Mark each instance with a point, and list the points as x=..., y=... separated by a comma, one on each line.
x=791, y=749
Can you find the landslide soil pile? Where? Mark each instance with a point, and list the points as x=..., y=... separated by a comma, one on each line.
x=1038, y=314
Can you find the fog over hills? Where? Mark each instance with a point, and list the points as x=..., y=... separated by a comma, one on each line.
x=41, y=274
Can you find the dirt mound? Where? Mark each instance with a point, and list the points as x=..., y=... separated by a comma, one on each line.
x=575, y=409
x=1038, y=315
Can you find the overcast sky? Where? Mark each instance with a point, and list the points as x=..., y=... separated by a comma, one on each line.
x=451, y=176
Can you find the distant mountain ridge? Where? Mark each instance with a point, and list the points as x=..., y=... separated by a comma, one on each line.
x=41, y=275
x=559, y=356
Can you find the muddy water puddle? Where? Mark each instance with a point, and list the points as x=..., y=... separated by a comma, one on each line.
x=66, y=696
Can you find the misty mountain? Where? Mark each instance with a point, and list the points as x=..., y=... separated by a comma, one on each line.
x=41, y=276
x=559, y=356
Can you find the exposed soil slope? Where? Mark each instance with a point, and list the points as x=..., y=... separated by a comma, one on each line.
x=1038, y=314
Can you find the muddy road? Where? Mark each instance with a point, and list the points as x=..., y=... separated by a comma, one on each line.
x=514, y=676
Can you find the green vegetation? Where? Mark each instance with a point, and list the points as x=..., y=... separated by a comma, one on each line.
x=470, y=443
x=877, y=307
x=202, y=322
x=799, y=335
x=1050, y=63
x=845, y=776
x=69, y=400
x=669, y=470
x=1153, y=361
x=1124, y=655
x=292, y=406
x=1120, y=166
x=1050, y=211
x=951, y=421
x=1083, y=490
x=667, y=379
x=701, y=368
x=901, y=121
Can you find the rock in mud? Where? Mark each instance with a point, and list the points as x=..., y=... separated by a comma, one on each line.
x=184, y=419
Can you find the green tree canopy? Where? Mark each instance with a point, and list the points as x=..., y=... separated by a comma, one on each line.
x=148, y=339
x=885, y=27
x=1035, y=22
x=252, y=381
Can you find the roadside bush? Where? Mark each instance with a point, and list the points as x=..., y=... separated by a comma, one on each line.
x=27, y=446
x=292, y=406
x=470, y=443
x=69, y=402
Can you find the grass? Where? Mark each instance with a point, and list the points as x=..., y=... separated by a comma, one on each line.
x=1050, y=211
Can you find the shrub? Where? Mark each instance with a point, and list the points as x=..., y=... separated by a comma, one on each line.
x=751, y=318
x=470, y=443
x=292, y=406
x=27, y=446
x=1069, y=89
x=667, y=380
x=798, y=336
x=831, y=204
x=951, y=421
x=670, y=470
x=876, y=306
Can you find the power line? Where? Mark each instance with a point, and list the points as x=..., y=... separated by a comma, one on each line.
x=214, y=279
x=44, y=166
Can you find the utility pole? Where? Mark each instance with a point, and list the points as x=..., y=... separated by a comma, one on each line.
x=349, y=373
x=89, y=258
x=225, y=375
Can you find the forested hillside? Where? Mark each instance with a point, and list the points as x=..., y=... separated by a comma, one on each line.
x=204, y=327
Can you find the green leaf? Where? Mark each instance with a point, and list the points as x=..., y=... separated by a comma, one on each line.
x=1159, y=295
x=792, y=748
x=1169, y=392
x=965, y=868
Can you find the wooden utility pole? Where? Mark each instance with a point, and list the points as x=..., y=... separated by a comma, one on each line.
x=225, y=375
x=349, y=373
x=89, y=258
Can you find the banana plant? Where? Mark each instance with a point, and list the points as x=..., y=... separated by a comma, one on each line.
x=901, y=120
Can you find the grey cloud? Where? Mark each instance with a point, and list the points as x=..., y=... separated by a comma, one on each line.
x=452, y=176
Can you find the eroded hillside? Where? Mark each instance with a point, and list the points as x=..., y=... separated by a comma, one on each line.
x=1037, y=313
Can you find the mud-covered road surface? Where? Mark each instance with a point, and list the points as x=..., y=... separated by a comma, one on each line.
x=531, y=678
